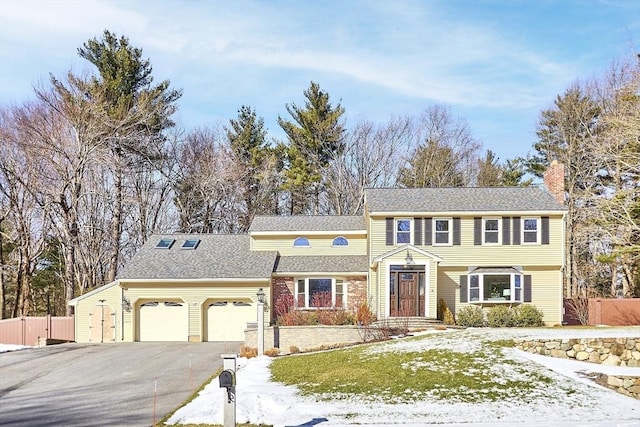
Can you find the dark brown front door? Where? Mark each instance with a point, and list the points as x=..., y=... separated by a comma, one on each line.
x=406, y=296
x=408, y=291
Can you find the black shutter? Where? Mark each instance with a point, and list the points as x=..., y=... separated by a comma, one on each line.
x=464, y=289
x=456, y=231
x=417, y=232
x=527, y=288
x=389, y=225
x=506, y=230
x=516, y=230
x=428, y=230
x=544, y=231
x=477, y=231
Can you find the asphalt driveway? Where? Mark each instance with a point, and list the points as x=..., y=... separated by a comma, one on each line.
x=116, y=384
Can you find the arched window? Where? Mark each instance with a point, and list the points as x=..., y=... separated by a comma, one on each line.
x=301, y=242
x=340, y=241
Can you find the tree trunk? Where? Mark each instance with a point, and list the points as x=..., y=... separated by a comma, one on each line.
x=116, y=223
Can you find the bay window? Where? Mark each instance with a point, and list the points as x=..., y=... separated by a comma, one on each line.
x=495, y=288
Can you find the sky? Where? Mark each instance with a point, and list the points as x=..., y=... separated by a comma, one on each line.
x=494, y=63
x=259, y=400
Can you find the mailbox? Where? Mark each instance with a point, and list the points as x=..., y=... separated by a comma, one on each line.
x=227, y=379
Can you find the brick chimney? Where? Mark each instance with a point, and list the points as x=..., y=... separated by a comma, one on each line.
x=553, y=180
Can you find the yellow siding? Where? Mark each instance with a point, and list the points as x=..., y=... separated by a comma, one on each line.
x=195, y=295
x=468, y=254
x=546, y=291
x=318, y=245
x=82, y=316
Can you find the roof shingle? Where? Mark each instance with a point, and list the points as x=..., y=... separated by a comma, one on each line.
x=322, y=264
x=217, y=256
x=460, y=199
x=302, y=223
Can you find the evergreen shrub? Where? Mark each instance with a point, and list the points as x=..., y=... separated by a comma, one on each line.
x=470, y=316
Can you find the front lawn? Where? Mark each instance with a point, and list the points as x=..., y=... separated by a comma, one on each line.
x=405, y=375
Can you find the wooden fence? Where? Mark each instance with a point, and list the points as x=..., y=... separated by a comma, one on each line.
x=29, y=330
x=606, y=311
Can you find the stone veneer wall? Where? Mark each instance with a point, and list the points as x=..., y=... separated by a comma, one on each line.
x=606, y=351
x=307, y=338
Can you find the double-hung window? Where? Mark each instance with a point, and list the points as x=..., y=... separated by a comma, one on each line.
x=491, y=231
x=442, y=231
x=403, y=231
x=530, y=231
x=320, y=292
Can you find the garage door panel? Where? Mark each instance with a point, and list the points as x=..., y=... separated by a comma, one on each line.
x=227, y=320
x=163, y=321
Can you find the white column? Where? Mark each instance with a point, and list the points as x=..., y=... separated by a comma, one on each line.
x=260, y=328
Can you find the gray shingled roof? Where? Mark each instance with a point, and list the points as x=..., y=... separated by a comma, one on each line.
x=461, y=199
x=304, y=223
x=216, y=257
x=322, y=264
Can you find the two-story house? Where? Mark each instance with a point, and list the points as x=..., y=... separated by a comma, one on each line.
x=410, y=248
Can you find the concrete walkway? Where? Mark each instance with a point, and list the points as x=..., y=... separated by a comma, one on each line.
x=116, y=384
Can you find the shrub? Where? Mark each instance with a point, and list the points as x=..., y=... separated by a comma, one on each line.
x=470, y=316
x=528, y=315
x=442, y=306
x=364, y=315
x=448, y=318
x=248, y=352
x=298, y=318
x=293, y=349
x=272, y=352
x=501, y=316
x=282, y=306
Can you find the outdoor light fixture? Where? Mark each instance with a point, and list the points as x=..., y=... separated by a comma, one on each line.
x=409, y=259
x=260, y=295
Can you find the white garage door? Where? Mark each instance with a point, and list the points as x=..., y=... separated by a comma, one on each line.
x=227, y=320
x=163, y=321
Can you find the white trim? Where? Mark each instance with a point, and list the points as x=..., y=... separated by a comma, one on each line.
x=382, y=215
x=538, y=230
x=327, y=233
x=74, y=302
x=404, y=248
x=498, y=231
x=395, y=230
x=512, y=288
x=123, y=282
x=427, y=284
x=307, y=301
x=434, y=231
x=319, y=273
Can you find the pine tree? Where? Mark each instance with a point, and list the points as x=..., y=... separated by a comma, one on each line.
x=315, y=135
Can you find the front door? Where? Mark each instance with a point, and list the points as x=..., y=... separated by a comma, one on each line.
x=406, y=296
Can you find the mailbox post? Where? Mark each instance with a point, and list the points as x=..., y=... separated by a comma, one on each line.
x=227, y=380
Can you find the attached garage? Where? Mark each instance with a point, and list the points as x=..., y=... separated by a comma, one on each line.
x=226, y=320
x=163, y=321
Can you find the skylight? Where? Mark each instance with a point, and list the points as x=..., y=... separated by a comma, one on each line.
x=165, y=243
x=190, y=243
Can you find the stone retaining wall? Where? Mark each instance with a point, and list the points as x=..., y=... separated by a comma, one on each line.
x=605, y=351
